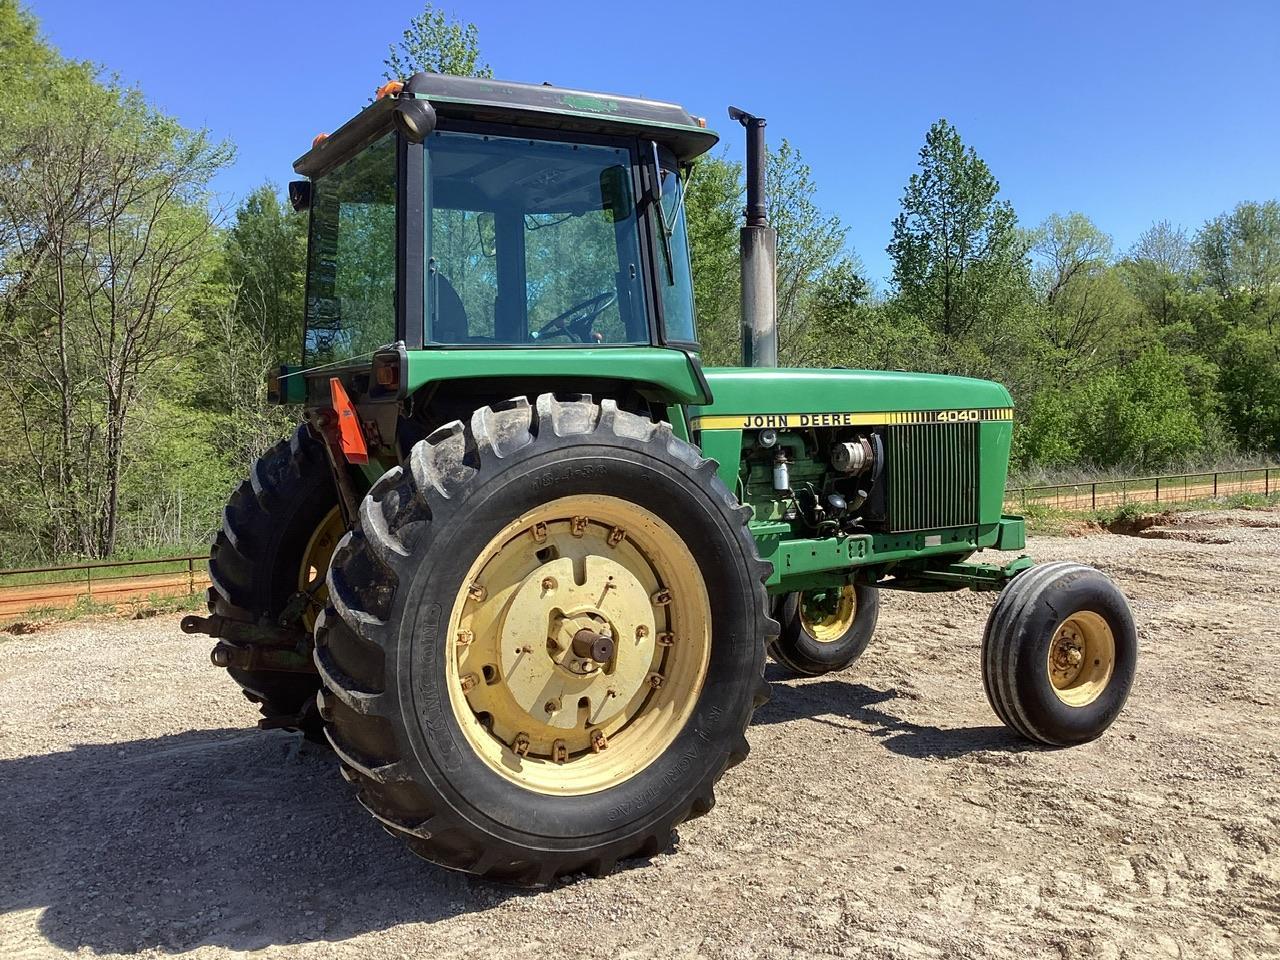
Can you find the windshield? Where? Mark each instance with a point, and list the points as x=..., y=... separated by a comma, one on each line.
x=531, y=242
x=351, y=258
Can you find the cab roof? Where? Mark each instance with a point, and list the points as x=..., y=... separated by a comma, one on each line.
x=520, y=104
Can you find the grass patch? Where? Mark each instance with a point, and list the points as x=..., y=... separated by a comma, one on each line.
x=1045, y=520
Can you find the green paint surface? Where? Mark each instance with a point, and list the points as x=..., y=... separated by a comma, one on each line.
x=664, y=375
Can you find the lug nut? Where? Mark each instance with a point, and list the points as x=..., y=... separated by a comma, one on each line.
x=548, y=583
x=641, y=632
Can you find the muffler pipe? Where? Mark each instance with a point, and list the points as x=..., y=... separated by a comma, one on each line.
x=759, y=246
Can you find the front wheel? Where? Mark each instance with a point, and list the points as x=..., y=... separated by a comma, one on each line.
x=1059, y=654
x=547, y=640
x=825, y=630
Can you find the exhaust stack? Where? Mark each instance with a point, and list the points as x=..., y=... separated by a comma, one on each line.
x=759, y=245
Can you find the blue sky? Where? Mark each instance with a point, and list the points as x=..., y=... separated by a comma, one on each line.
x=1126, y=111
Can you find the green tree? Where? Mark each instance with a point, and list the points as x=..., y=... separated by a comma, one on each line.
x=265, y=261
x=1087, y=310
x=439, y=43
x=713, y=208
x=105, y=227
x=959, y=262
x=813, y=258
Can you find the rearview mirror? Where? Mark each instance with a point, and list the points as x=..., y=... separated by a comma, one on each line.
x=300, y=195
x=615, y=192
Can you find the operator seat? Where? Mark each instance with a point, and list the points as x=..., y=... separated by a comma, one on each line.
x=451, y=315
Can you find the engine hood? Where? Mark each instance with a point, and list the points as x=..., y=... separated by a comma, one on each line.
x=756, y=397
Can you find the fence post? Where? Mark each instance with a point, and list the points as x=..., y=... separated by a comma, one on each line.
x=1157, y=489
x=1093, y=495
x=1215, y=483
x=191, y=577
x=88, y=580
x=1266, y=482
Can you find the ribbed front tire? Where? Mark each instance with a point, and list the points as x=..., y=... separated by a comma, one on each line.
x=1059, y=654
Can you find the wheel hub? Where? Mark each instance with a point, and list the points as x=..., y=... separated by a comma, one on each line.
x=582, y=635
x=1081, y=658
x=544, y=666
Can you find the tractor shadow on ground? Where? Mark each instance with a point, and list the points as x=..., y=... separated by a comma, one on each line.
x=233, y=838
x=836, y=702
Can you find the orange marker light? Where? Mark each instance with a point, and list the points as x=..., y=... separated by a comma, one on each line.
x=320, y=138
x=350, y=436
x=389, y=89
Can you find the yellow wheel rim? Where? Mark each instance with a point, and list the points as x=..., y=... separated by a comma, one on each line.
x=828, y=622
x=580, y=642
x=315, y=564
x=1082, y=657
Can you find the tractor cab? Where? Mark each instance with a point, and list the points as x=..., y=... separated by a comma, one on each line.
x=466, y=213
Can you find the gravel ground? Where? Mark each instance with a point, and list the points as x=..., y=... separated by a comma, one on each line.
x=883, y=812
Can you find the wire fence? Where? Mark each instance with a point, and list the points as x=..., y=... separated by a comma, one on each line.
x=115, y=582
x=1174, y=488
x=107, y=582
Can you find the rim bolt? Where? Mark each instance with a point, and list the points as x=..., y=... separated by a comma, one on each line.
x=616, y=535
x=661, y=598
x=641, y=632
x=520, y=745
x=465, y=637
x=469, y=682
x=540, y=532
x=655, y=680
x=477, y=592
x=598, y=741
x=666, y=639
x=578, y=526
x=560, y=751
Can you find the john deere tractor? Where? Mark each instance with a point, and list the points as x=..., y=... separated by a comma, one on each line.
x=523, y=561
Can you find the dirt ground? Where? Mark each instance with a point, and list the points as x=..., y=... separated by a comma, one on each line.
x=883, y=813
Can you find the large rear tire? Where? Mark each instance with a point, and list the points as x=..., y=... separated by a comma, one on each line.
x=278, y=531
x=547, y=640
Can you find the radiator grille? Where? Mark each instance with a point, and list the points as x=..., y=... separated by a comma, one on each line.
x=932, y=475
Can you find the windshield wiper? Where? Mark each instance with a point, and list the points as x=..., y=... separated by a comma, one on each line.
x=663, y=228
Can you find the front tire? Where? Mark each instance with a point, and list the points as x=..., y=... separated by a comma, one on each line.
x=472, y=723
x=825, y=631
x=1059, y=654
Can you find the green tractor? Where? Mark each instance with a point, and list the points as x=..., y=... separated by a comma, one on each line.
x=522, y=564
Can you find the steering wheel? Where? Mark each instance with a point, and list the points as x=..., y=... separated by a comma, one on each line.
x=577, y=320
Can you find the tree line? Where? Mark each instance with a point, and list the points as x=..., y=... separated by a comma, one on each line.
x=138, y=320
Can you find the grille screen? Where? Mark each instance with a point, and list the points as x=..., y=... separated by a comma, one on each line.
x=932, y=475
